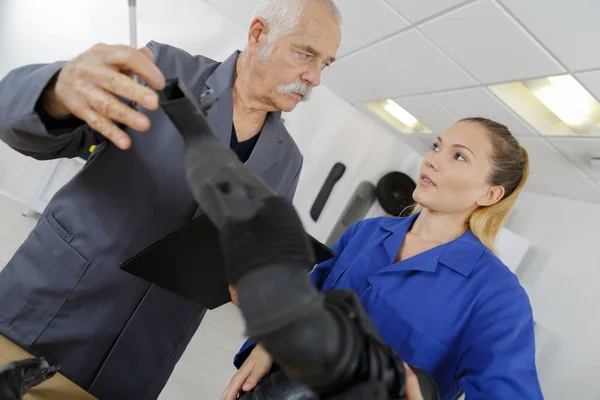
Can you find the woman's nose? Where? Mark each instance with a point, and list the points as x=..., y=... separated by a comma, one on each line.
x=430, y=162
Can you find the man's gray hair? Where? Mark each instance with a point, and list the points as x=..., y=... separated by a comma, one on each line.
x=283, y=16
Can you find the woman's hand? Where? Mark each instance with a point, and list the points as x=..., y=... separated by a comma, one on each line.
x=256, y=366
x=413, y=390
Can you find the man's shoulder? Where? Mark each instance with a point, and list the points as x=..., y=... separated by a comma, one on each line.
x=176, y=62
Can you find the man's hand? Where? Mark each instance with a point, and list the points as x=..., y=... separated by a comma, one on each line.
x=256, y=366
x=87, y=85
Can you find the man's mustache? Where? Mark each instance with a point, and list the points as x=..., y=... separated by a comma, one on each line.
x=298, y=87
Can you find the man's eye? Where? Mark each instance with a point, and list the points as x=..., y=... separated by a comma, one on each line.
x=304, y=56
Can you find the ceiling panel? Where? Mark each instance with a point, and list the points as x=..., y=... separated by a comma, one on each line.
x=579, y=151
x=569, y=29
x=422, y=62
x=370, y=20
x=489, y=44
x=421, y=143
x=591, y=80
x=194, y=30
x=418, y=10
x=429, y=112
x=349, y=43
x=364, y=76
x=570, y=188
x=480, y=102
x=545, y=159
x=239, y=11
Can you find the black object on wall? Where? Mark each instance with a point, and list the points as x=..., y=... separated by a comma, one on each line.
x=394, y=192
x=334, y=176
x=360, y=202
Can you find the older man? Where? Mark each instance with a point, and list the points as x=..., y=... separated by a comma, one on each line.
x=62, y=295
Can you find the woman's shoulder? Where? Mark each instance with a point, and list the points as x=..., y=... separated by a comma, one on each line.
x=490, y=269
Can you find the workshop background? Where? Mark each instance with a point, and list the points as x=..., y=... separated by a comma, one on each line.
x=407, y=70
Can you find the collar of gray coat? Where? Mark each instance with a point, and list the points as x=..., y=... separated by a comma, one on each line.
x=268, y=149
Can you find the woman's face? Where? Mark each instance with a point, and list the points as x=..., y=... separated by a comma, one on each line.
x=454, y=174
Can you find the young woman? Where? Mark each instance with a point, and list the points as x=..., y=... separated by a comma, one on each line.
x=432, y=283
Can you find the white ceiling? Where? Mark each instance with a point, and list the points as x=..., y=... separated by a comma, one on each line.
x=436, y=57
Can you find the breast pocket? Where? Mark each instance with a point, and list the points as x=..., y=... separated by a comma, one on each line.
x=334, y=276
x=38, y=280
x=415, y=347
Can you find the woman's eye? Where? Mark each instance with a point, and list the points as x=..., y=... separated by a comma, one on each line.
x=460, y=157
x=435, y=147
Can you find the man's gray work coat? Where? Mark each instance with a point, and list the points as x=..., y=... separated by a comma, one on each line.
x=62, y=295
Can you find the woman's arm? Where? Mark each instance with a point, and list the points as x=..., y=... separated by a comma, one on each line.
x=497, y=354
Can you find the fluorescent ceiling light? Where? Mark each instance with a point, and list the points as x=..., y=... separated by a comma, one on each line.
x=566, y=98
x=396, y=116
x=557, y=105
x=400, y=113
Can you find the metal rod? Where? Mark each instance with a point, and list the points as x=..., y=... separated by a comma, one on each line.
x=132, y=23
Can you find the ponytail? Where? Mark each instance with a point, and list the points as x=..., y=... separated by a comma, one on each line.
x=486, y=222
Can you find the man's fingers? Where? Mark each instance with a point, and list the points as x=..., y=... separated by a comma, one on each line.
x=110, y=107
x=122, y=85
x=146, y=52
x=105, y=127
x=235, y=386
x=137, y=62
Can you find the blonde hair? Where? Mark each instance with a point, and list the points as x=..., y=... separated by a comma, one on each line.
x=510, y=163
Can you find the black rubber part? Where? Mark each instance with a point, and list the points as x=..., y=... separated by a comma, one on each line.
x=336, y=173
x=394, y=192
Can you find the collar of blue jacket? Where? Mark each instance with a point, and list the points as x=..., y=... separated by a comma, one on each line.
x=460, y=255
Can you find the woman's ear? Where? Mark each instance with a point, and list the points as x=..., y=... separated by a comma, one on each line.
x=493, y=195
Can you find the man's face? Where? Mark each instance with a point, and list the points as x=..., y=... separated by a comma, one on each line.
x=294, y=66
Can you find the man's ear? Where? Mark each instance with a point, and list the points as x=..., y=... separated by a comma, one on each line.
x=257, y=35
x=493, y=195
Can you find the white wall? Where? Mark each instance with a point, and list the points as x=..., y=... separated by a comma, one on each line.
x=193, y=25
x=329, y=130
x=37, y=31
x=561, y=273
